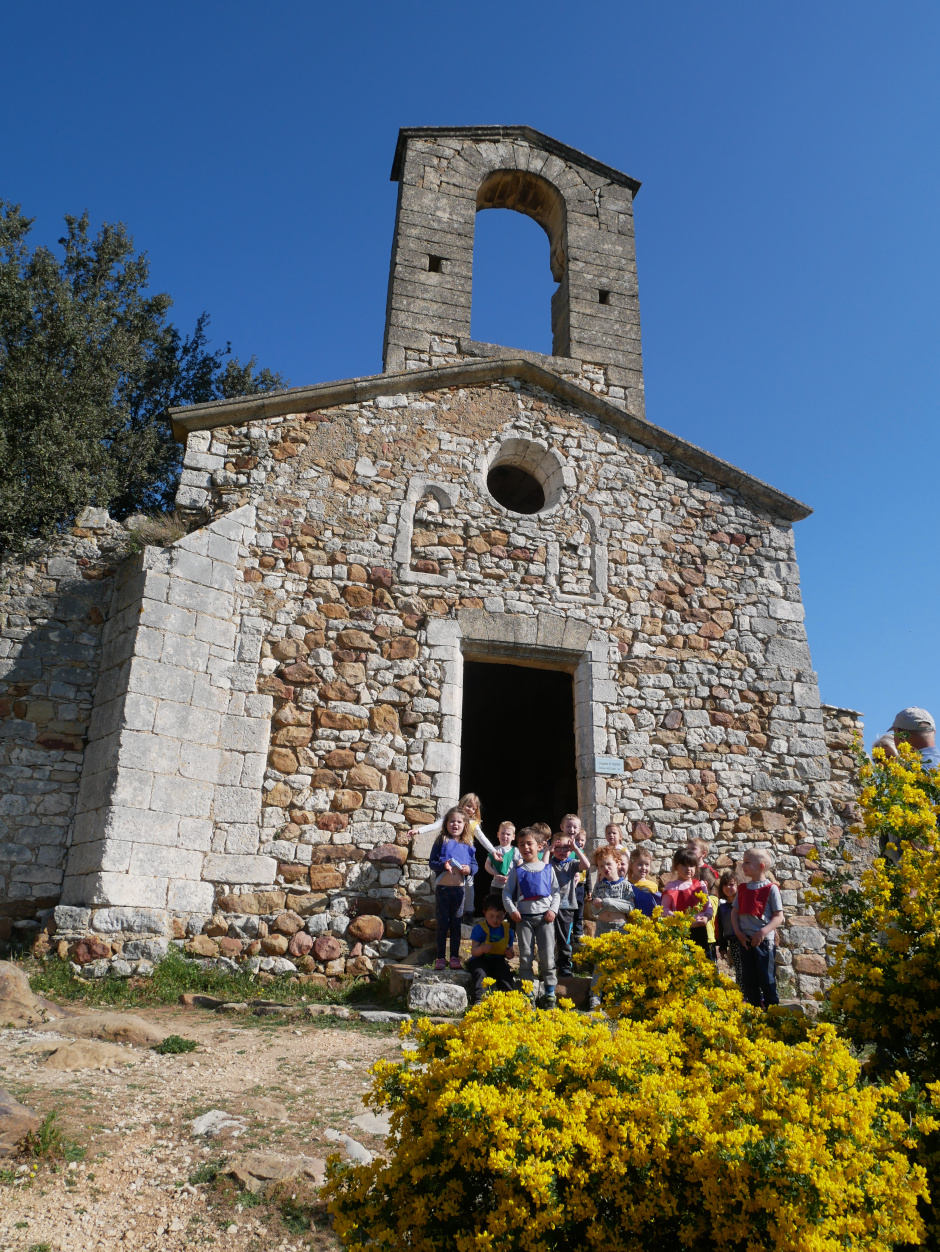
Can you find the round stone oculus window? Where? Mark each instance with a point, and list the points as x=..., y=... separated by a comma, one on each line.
x=524, y=476
x=515, y=489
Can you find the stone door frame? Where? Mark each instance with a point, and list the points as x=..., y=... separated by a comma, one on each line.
x=543, y=640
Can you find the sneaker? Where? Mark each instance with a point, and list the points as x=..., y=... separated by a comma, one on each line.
x=594, y=1003
x=455, y=963
x=440, y=963
x=548, y=1000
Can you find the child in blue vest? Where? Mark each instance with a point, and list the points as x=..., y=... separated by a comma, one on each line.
x=491, y=949
x=452, y=861
x=531, y=898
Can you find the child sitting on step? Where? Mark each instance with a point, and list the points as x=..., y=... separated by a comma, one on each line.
x=531, y=898
x=491, y=950
x=452, y=861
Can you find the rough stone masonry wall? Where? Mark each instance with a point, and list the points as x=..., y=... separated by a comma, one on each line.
x=601, y=380
x=54, y=599
x=373, y=522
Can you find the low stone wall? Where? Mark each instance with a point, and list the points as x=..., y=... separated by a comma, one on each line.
x=290, y=930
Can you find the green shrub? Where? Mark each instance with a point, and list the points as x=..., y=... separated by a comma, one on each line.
x=172, y=1045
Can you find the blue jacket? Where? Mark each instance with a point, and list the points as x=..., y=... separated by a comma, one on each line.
x=448, y=849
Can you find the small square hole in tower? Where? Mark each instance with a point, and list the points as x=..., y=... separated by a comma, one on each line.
x=435, y=264
x=603, y=297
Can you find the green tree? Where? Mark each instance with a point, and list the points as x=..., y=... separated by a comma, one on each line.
x=89, y=366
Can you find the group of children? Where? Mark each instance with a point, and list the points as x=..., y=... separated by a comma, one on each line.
x=541, y=881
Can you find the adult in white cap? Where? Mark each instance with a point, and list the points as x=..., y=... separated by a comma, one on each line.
x=916, y=727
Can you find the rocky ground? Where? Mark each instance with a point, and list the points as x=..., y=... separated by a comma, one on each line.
x=289, y=1087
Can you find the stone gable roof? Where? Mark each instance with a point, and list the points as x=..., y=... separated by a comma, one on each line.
x=536, y=138
x=477, y=373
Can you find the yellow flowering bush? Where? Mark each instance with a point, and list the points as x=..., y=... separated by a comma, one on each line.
x=688, y=1121
x=885, y=995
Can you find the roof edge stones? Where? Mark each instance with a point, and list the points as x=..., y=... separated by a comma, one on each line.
x=475, y=373
x=532, y=136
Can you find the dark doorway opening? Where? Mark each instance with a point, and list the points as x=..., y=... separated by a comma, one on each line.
x=518, y=748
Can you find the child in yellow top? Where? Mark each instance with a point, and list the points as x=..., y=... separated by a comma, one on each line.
x=711, y=946
x=645, y=887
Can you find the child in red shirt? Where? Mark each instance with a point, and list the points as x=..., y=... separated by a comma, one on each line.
x=756, y=914
x=681, y=894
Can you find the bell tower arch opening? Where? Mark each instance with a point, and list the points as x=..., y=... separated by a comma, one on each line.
x=512, y=286
x=533, y=196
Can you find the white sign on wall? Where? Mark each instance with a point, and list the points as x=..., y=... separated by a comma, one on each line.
x=608, y=765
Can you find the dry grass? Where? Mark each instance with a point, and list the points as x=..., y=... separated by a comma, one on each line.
x=159, y=530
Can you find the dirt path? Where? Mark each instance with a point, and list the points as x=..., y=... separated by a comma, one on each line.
x=287, y=1081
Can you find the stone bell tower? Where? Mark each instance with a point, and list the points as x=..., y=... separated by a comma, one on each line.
x=446, y=175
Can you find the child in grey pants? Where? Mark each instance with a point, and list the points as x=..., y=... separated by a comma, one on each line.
x=531, y=896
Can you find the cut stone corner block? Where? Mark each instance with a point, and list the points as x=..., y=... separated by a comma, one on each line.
x=190, y=897
x=138, y=921
x=256, y=870
x=108, y=889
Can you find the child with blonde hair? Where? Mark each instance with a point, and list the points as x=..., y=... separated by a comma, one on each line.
x=612, y=901
x=452, y=861
x=757, y=912
x=544, y=833
x=504, y=856
x=646, y=894
x=701, y=850
x=613, y=835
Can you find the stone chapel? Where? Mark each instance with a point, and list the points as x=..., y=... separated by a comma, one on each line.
x=482, y=569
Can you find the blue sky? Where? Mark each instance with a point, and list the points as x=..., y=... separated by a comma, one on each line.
x=787, y=236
